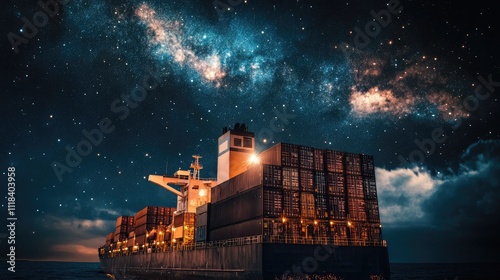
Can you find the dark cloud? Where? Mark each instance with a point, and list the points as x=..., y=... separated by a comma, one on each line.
x=481, y=152
x=469, y=201
x=458, y=213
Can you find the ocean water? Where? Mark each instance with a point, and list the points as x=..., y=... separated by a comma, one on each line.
x=448, y=271
x=54, y=270
x=80, y=271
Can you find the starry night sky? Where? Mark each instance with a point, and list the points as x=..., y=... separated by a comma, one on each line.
x=166, y=76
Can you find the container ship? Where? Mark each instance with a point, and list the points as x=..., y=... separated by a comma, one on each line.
x=290, y=212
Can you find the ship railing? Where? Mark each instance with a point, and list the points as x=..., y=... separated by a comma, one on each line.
x=208, y=179
x=201, y=245
x=323, y=240
x=184, y=247
x=234, y=242
x=210, y=244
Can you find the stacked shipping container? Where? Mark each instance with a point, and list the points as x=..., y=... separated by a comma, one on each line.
x=110, y=238
x=273, y=199
x=202, y=222
x=131, y=239
x=149, y=218
x=239, y=183
x=184, y=227
x=124, y=225
x=237, y=216
x=330, y=191
x=370, y=195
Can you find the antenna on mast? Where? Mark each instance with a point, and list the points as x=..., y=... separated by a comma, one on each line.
x=196, y=165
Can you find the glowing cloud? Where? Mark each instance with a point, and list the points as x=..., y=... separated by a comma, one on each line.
x=168, y=36
x=379, y=101
x=402, y=192
x=449, y=106
x=74, y=248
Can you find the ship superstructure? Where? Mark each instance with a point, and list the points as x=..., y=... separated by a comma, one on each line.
x=291, y=210
x=192, y=192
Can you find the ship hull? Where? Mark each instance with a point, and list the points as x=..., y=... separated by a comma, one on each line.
x=253, y=261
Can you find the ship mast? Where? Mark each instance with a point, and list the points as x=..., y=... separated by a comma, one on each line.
x=197, y=167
